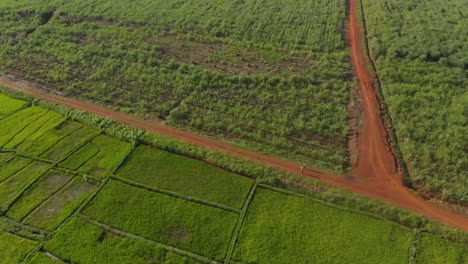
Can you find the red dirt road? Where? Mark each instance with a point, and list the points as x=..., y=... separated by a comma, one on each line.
x=375, y=173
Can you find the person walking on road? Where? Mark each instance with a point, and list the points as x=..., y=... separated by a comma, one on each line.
x=302, y=168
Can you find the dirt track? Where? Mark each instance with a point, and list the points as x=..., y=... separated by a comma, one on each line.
x=375, y=173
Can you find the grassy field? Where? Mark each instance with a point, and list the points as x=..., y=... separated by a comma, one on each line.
x=164, y=170
x=435, y=250
x=82, y=242
x=421, y=56
x=281, y=228
x=9, y=105
x=194, y=227
x=98, y=157
x=15, y=182
x=46, y=186
x=13, y=249
x=271, y=75
x=154, y=218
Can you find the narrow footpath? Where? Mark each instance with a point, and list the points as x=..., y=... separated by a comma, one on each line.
x=375, y=173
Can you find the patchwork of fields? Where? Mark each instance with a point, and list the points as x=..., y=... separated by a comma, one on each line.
x=70, y=193
x=247, y=71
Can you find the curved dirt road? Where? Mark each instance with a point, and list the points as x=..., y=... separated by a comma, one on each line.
x=375, y=173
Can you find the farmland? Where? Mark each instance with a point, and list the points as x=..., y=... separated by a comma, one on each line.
x=136, y=214
x=246, y=71
x=420, y=52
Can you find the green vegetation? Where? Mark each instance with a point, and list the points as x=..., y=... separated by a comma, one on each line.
x=281, y=228
x=194, y=227
x=58, y=207
x=15, y=123
x=10, y=187
x=270, y=75
x=419, y=48
x=81, y=242
x=42, y=258
x=189, y=177
x=13, y=249
x=5, y=157
x=98, y=157
x=47, y=185
x=9, y=105
x=434, y=250
x=12, y=167
x=57, y=142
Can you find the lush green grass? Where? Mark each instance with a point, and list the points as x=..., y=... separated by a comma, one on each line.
x=35, y=129
x=187, y=176
x=9, y=105
x=42, y=258
x=420, y=52
x=63, y=147
x=10, y=187
x=435, y=250
x=56, y=209
x=4, y=156
x=281, y=228
x=81, y=242
x=98, y=157
x=58, y=141
x=15, y=123
x=12, y=167
x=13, y=249
x=37, y=193
x=194, y=227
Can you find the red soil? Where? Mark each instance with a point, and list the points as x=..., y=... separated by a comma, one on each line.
x=376, y=173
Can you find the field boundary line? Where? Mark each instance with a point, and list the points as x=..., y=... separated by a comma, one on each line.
x=8, y=160
x=52, y=256
x=137, y=237
x=48, y=197
x=76, y=149
x=29, y=229
x=413, y=250
x=176, y=195
x=34, y=158
x=240, y=222
x=33, y=252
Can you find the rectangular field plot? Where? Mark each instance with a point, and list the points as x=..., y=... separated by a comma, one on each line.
x=13, y=249
x=81, y=242
x=57, y=142
x=47, y=185
x=189, y=226
x=4, y=156
x=58, y=207
x=98, y=157
x=9, y=105
x=161, y=169
x=281, y=228
x=21, y=177
x=435, y=250
x=13, y=166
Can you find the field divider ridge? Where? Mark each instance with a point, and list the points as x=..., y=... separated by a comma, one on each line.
x=176, y=195
x=25, y=127
x=19, y=226
x=77, y=148
x=136, y=237
x=22, y=155
x=240, y=222
x=27, y=105
x=8, y=160
x=413, y=250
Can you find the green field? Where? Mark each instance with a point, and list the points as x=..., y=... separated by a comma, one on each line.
x=9, y=105
x=13, y=249
x=281, y=228
x=164, y=170
x=419, y=48
x=435, y=250
x=271, y=75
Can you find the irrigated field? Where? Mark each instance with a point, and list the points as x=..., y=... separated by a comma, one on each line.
x=270, y=75
x=139, y=204
x=420, y=51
